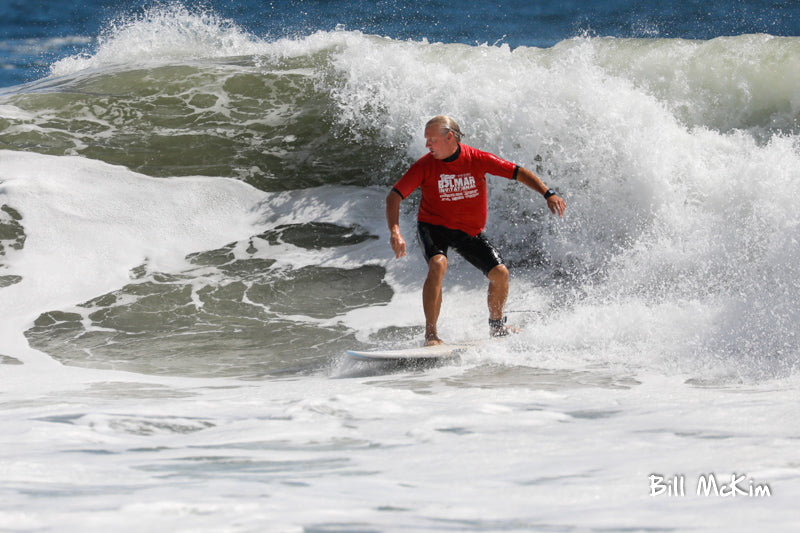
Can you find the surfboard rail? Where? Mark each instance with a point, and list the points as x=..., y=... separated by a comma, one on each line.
x=439, y=351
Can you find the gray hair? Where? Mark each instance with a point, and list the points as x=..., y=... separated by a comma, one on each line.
x=446, y=124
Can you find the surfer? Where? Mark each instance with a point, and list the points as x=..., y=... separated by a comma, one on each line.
x=452, y=213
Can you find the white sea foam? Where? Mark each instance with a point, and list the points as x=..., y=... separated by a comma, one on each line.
x=164, y=34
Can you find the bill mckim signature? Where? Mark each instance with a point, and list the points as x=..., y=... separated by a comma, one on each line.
x=709, y=485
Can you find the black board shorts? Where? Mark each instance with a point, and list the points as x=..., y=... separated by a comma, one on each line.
x=477, y=250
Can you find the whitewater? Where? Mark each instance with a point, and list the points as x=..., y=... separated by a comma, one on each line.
x=192, y=233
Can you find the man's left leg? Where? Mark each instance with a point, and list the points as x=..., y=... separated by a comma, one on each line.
x=480, y=253
x=498, y=291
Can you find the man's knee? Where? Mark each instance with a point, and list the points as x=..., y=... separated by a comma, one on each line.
x=498, y=274
x=437, y=266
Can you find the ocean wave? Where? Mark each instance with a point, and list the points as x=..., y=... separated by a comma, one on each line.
x=343, y=105
x=163, y=33
x=747, y=82
x=654, y=144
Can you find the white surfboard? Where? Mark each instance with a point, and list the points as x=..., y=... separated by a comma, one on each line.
x=439, y=351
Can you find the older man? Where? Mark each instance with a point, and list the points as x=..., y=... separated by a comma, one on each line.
x=452, y=213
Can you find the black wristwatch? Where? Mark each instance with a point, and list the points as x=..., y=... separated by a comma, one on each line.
x=549, y=193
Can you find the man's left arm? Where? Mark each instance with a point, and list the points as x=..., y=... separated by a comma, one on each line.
x=554, y=201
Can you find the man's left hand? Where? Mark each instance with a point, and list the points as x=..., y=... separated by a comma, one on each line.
x=556, y=205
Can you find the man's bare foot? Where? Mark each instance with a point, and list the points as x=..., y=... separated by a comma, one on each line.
x=433, y=340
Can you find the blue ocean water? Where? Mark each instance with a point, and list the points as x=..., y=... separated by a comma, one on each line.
x=35, y=34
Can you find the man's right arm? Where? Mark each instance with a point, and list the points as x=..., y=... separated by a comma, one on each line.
x=393, y=220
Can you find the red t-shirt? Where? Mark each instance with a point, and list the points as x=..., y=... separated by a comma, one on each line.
x=454, y=193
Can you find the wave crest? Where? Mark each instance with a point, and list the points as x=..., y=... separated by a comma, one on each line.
x=166, y=33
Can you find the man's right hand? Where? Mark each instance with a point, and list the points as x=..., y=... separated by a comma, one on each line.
x=398, y=243
x=393, y=221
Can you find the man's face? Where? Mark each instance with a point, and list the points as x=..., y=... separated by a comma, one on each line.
x=440, y=143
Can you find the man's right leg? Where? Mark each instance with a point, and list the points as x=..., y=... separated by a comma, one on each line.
x=432, y=297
